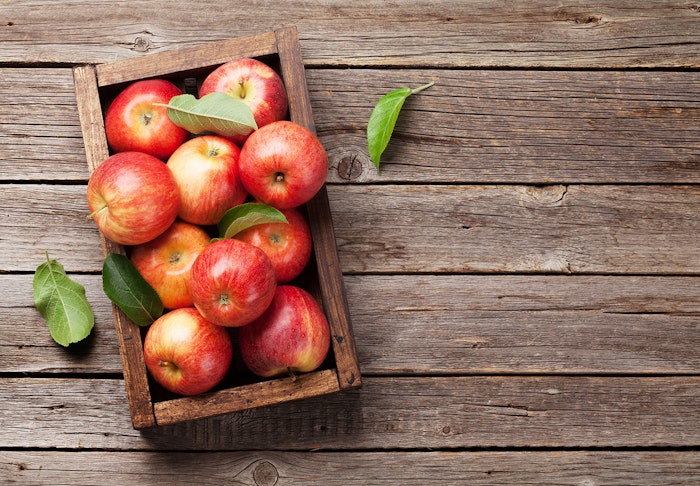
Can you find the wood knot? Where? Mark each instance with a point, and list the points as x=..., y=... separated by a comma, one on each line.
x=350, y=167
x=586, y=19
x=141, y=44
x=265, y=474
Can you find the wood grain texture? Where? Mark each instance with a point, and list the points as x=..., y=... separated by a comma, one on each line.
x=386, y=413
x=530, y=468
x=567, y=229
x=403, y=33
x=480, y=126
x=440, y=325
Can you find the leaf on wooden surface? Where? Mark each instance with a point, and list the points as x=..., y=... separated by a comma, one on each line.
x=125, y=286
x=246, y=215
x=216, y=112
x=382, y=121
x=62, y=302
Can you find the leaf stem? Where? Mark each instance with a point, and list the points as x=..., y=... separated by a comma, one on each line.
x=421, y=88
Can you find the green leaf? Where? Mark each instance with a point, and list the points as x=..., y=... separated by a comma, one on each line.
x=125, y=286
x=246, y=215
x=382, y=121
x=62, y=302
x=216, y=112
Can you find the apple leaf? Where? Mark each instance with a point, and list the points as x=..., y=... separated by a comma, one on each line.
x=246, y=215
x=62, y=302
x=125, y=286
x=382, y=121
x=216, y=112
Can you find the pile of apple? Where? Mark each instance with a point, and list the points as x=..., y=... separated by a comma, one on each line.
x=164, y=188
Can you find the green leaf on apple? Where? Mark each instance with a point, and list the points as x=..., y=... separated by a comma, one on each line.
x=382, y=121
x=246, y=215
x=215, y=112
x=125, y=286
x=62, y=302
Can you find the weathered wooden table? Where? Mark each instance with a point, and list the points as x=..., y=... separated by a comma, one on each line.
x=522, y=273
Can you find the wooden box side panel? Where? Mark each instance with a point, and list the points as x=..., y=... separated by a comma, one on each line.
x=128, y=333
x=246, y=397
x=191, y=58
x=320, y=221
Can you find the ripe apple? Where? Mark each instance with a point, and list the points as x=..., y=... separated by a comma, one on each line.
x=291, y=336
x=254, y=83
x=287, y=245
x=133, y=197
x=206, y=171
x=283, y=164
x=166, y=261
x=185, y=353
x=132, y=123
x=232, y=282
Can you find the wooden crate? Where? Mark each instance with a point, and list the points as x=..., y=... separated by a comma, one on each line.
x=149, y=404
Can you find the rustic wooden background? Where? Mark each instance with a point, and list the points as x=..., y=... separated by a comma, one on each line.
x=522, y=273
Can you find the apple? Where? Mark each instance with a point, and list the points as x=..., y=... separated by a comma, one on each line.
x=232, y=282
x=292, y=336
x=287, y=245
x=133, y=197
x=283, y=164
x=166, y=261
x=206, y=172
x=253, y=82
x=185, y=353
x=133, y=123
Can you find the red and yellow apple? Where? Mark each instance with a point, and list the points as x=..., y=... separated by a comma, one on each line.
x=283, y=164
x=232, y=282
x=206, y=172
x=185, y=353
x=287, y=245
x=133, y=197
x=133, y=123
x=292, y=335
x=253, y=82
x=165, y=262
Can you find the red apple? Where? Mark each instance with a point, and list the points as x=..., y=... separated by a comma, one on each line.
x=288, y=245
x=283, y=164
x=291, y=336
x=232, y=282
x=254, y=83
x=206, y=171
x=132, y=123
x=166, y=261
x=133, y=197
x=185, y=353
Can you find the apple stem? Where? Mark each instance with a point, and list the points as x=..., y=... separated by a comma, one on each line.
x=279, y=177
x=92, y=214
x=291, y=374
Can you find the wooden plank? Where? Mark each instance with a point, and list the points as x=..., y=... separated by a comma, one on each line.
x=40, y=135
x=386, y=413
x=659, y=33
x=514, y=126
x=620, y=468
x=572, y=229
x=439, y=325
x=542, y=229
x=534, y=127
